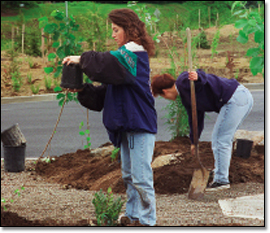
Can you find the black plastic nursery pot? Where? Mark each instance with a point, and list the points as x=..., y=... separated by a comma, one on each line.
x=72, y=76
x=13, y=136
x=243, y=148
x=14, y=158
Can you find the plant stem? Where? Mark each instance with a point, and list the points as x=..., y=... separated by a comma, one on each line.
x=49, y=142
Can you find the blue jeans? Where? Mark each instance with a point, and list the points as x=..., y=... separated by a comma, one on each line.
x=136, y=157
x=230, y=117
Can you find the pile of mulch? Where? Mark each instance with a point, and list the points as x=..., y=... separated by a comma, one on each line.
x=82, y=170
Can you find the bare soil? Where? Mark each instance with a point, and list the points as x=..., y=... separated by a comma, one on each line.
x=83, y=171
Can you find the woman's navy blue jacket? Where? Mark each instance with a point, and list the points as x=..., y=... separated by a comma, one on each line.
x=125, y=95
x=212, y=92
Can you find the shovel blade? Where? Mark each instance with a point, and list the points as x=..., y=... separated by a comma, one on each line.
x=198, y=183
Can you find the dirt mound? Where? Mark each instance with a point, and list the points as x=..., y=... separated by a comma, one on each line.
x=82, y=170
x=14, y=220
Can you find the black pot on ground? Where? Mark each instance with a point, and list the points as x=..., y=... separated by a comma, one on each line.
x=13, y=136
x=72, y=76
x=243, y=148
x=14, y=158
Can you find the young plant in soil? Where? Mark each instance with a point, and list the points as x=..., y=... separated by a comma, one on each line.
x=85, y=133
x=114, y=153
x=107, y=209
x=215, y=43
x=11, y=200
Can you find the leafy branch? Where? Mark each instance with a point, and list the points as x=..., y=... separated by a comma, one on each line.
x=251, y=23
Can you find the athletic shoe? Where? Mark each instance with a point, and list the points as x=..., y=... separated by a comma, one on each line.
x=211, y=174
x=124, y=220
x=216, y=187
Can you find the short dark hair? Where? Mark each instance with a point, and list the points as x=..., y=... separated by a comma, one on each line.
x=160, y=82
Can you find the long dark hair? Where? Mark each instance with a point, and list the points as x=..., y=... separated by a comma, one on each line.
x=134, y=28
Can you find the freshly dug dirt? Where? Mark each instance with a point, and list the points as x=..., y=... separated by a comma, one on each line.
x=81, y=170
x=13, y=219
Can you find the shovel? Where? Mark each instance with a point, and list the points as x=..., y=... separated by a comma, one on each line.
x=200, y=175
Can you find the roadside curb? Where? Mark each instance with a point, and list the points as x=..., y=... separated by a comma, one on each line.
x=33, y=98
x=52, y=97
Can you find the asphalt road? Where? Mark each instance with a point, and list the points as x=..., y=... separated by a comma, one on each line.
x=37, y=120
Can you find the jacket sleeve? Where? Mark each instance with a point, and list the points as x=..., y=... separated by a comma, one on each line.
x=105, y=68
x=92, y=97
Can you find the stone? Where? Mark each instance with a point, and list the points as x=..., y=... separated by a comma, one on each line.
x=165, y=160
x=103, y=151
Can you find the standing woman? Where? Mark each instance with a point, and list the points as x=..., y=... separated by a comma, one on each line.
x=230, y=99
x=129, y=113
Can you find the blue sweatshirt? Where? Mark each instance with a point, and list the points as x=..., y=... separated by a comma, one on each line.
x=212, y=92
x=125, y=95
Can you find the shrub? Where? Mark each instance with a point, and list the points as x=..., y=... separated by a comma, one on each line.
x=107, y=209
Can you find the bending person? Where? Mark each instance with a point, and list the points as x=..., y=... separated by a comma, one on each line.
x=230, y=99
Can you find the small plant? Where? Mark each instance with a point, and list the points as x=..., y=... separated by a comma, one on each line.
x=30, y=62
x=29, y=78
x=16, y=81
x=84, y=133
x=177, y=118
x=215, y=43
x=12, y=71
x=107, y=209
x=34, y=89
x=114, y=153
x=11, y=200
x=48, y=83
x=47, y=159
x=237, y=74
x=201, y=40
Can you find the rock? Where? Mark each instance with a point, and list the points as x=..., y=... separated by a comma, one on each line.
x=165, y=159
x=103, y=151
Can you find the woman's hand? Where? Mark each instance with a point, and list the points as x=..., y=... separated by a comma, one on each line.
x=192, y=75
x=71, y=59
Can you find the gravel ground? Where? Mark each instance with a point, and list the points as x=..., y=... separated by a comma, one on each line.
x=41, y=200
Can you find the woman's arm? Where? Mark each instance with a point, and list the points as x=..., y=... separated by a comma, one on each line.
x=92, y=97
x=102, y=67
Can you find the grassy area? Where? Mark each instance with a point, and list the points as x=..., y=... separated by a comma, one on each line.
x=174, y=16
x=168, y=10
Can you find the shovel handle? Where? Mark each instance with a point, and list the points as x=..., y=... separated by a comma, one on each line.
x=193, y=96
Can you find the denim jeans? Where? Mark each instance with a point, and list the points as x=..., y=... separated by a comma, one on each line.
x=136, y=157
x=230, y=117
